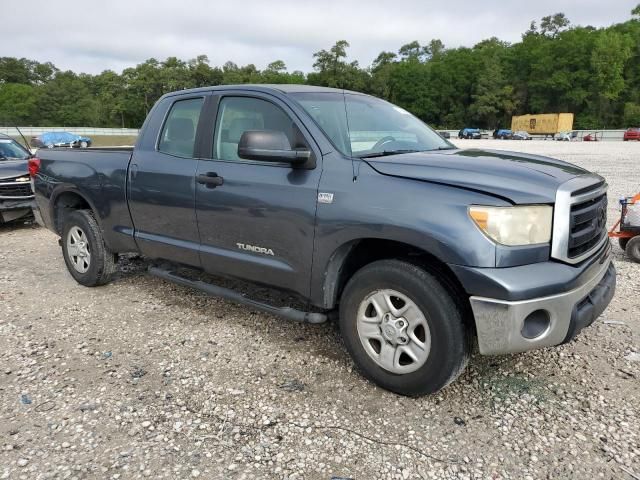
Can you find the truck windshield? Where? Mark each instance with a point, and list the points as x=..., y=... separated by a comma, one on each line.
x=10, y=150
x=363, y=126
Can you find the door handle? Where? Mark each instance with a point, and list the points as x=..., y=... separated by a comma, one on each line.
x=210, y=179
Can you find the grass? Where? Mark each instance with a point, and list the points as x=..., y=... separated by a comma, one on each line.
x=112, y=140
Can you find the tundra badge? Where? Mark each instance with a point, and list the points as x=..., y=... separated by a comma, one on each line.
x=325, y=197
x=253, y=248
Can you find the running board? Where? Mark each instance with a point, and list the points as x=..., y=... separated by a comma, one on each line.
x=216, y=291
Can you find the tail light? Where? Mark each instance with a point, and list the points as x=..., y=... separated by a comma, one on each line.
x=34, y=166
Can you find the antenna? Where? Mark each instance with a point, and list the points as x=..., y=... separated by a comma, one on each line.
x=26, y=144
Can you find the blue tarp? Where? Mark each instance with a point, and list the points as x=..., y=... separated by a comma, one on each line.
x=57, y=138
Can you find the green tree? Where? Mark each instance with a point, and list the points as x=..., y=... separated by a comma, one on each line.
x=202, y=74
x=552, y=25
x=66, y=101
x=493, y=100
x=632, y=114
x=412, y=51
x=332, y=70
x=17, y=104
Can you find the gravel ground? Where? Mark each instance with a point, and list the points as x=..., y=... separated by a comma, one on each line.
x=142, y=378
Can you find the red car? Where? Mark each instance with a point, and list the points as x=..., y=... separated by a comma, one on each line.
x=632, y=134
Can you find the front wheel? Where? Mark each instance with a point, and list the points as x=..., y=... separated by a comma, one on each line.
x=623, y=243
x=403, y=328
x=87, y=258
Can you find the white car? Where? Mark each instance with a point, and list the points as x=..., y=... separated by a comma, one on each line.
x=566, y=136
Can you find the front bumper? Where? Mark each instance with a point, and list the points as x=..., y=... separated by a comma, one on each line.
x=15, y=208
x=517, y=326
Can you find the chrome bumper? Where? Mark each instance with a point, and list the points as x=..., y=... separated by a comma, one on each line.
x=500, y=323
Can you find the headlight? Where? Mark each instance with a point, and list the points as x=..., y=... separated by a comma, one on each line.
x=524, y=225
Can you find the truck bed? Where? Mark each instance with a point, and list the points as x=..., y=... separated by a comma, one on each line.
x=98, y=174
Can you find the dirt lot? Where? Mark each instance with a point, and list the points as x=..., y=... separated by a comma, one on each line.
x=142, y=378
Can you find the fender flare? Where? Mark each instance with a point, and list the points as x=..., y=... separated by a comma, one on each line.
x=62, y=189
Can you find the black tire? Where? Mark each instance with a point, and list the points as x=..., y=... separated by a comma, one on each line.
x=449, y=339
x=623, y=243
x=633, y=249
x=102, y=264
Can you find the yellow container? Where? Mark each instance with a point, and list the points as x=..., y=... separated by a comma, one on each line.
x=543, y=124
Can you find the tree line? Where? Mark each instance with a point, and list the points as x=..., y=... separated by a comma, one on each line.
x=555, y=67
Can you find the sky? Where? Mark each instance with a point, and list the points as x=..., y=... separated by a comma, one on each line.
x=95, y=35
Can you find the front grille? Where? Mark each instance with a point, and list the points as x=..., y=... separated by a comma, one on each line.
x=579, y=218
x=15, y=189
x=588, y=222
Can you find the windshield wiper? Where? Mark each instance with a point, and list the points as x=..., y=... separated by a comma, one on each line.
x=385, y=153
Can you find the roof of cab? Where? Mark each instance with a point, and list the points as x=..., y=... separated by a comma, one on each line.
x=285, y=88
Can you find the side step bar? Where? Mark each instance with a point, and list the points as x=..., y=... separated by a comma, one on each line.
x=216, y=291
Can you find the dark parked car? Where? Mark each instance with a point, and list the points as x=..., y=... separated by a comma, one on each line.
x=60, y=139
x=502, y=134
x=416, y=247
x=631, y=134
x=470, y=133
x=16, y=196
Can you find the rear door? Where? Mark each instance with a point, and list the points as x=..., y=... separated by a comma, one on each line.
x=258, y=222
x=162, y=181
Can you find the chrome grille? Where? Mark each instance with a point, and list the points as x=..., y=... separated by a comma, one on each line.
x=587, y=222
x=13, y=189
x=579, y=219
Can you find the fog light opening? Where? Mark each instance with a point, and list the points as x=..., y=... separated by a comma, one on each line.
x=535, y=324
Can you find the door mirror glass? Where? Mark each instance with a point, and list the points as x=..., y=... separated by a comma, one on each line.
x=269, y=146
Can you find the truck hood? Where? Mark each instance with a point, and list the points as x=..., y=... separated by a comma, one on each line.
x=13, y=168
x=518, y=177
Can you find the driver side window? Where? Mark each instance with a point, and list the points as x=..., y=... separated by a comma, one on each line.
x=237, y=115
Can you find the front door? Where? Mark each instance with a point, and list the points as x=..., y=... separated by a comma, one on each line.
x=257, y=220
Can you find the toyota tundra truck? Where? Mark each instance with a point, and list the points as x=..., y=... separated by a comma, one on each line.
x=419, y=249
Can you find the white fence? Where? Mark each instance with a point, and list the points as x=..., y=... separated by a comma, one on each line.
x=88, y=131
x=605, y=135
x=133, y=132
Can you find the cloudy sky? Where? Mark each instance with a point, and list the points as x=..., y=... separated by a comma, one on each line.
x=91, y=35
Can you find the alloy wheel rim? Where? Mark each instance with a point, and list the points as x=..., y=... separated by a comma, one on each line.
x=78, y=249
x=393, y=331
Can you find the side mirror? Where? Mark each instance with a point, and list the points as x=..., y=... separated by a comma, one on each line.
x=270, y=146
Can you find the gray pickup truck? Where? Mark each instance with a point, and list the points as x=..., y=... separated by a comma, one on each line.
x=419, y=248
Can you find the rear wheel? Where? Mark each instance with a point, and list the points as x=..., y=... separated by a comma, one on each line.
x=633, y=249
x=83, y=144
x=403, y=328
x=87, y=258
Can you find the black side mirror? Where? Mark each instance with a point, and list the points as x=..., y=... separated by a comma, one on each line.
x=270, y=146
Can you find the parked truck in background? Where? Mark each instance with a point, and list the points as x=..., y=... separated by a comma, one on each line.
x=419, y=248
x=543, y=124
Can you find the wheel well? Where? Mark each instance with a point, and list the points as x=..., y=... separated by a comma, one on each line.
x=366, y=251
x=64, y=203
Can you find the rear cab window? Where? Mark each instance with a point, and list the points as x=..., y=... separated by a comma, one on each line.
x=178, y=135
